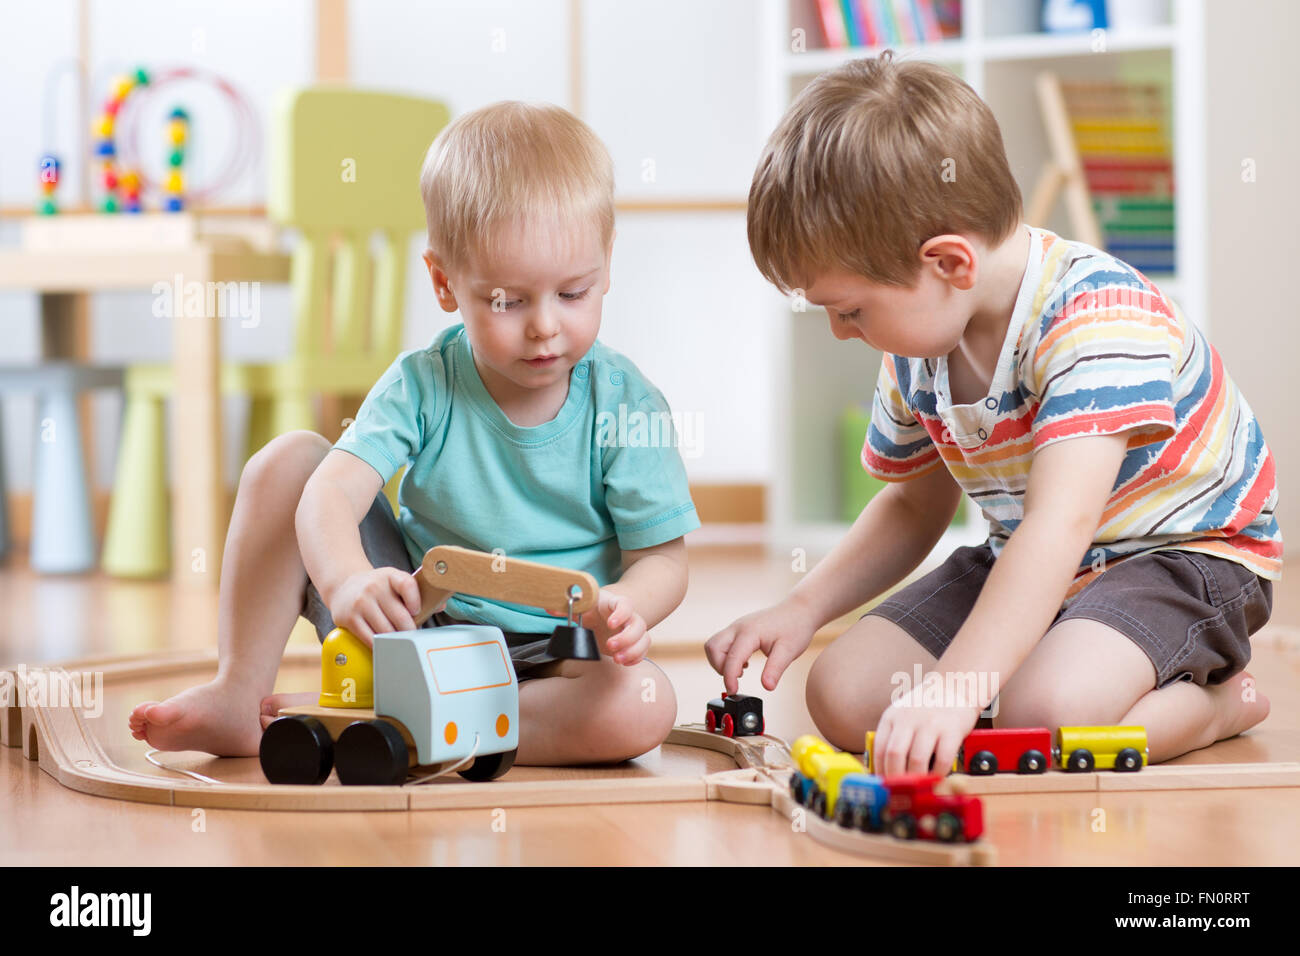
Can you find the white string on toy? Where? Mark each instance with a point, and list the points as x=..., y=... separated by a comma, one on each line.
x=162, y=766
x=452, y=769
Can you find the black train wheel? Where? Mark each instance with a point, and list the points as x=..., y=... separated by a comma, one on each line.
x=371, y=752
x=1128, y=760
x=1080, y=762
x=490, y=766
x=296, y=750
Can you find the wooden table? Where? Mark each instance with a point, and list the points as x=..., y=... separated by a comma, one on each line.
x=137, y=257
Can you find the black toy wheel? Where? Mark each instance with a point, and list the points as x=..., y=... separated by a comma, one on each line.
x=904, y=827
x=1128, y=760
x=1080, y=761
x=947, y=828
x=819, y=804
x=843, y=814
x=371, y=752
x=1033, y=761
x=296, y=750
x=983, y=764
x=490, y=766
x=794, y=787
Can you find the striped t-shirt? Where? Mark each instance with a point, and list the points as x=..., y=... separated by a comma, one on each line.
x=1094, y=348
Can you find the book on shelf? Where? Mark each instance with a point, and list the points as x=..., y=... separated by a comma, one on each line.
x=1121, y=133
x=875, y=23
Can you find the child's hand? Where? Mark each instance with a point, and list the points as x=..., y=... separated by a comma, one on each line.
x=377, y=601
x=617, y=624
x=910, y=733
x=781, y=632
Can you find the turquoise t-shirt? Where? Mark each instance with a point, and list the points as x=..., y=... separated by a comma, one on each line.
x=604, y=475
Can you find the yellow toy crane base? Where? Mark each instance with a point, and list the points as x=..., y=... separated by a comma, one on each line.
x=347, y=671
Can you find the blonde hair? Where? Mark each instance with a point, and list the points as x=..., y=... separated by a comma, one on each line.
x=513, y=161
x=873, y=159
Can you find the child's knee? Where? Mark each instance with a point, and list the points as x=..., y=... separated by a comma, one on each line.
x=290, y=457
x=842, y=706
x=642, y=711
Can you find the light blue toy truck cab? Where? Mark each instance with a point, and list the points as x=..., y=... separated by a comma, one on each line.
x=453, y=688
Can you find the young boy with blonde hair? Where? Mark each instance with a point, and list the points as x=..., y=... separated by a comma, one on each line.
x=499, y=424
x=1129, y=492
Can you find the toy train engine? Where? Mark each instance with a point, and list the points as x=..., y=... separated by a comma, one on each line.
x=915, y=810
x=735, y=715
x=1080, y=749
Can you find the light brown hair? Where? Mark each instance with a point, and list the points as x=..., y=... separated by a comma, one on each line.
x=510, y=162
x=874, y=158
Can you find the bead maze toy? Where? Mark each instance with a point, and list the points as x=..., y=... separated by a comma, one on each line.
x=121, y=172
x=438, y=700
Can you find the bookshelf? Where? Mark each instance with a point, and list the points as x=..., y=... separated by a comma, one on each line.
x=820, y=376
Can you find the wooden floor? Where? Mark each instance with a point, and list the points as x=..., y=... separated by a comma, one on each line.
x=44, y=619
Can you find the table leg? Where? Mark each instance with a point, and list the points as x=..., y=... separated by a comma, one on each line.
x=65, y=334
x=198, y=519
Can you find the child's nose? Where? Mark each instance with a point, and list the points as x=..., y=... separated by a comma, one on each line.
x=844, y=330
x=543, y=323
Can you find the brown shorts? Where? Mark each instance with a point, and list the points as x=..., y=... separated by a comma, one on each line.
x=381, y=538
x=1191, y=613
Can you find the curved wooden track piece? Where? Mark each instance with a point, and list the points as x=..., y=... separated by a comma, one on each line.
x=765, y=778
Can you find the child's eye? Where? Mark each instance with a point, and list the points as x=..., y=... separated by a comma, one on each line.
x=575, y=296
x=848, y=316
x=501, y=305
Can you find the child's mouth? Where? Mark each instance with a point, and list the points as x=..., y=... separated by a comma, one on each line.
x=544, y=361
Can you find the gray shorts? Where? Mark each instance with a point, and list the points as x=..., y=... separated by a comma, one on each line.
x=1191, y=613
x=381, y=538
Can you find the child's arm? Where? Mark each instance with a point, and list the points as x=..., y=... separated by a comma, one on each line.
x=1069, y=484
x=364, y=599
x=894, y=533
x=651, y=586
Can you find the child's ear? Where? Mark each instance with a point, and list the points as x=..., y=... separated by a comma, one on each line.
x=953, y=259
x=441, y=286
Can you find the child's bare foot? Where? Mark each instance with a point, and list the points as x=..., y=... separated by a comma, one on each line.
x=1238, y=705
x=272, y=705
x=208, y=718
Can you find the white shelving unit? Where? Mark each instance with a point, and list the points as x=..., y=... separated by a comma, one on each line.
x=822, y=376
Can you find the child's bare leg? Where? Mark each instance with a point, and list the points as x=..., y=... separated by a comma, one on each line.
x=849, y=685
x=594, y=712
x=262, y=586
x=1183, y=716
x=1085, y=673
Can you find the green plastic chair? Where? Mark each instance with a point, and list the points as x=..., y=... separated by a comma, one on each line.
x=345, y=168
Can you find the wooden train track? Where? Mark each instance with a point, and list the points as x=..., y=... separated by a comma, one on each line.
x=59, y=739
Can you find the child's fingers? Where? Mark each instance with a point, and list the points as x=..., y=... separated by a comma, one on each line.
x=778, y=659
x=399, y=618
x=741, y=650
x=921, y=752
x=716, y=647
x=407, y=588
x=635, y=643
